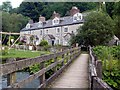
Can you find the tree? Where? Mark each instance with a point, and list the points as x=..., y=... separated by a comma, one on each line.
x=6, y=6
x=116, y=17
x=31, y=9
x=97, y=29
x=35, y=9
x=13, y=22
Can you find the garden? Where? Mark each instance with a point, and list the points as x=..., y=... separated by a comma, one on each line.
x=110, y=57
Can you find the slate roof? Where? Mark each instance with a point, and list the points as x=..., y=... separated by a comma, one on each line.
x=68, y=20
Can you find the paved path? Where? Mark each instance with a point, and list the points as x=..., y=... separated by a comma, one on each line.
x=75, y=76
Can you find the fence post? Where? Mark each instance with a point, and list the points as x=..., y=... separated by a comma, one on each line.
x=63, y=60
x=42, y=77
x=71, y=54
x=67, y=58
x=11, y=78
x=55, y=68
x=99, y=68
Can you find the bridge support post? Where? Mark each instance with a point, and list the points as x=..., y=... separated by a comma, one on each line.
x=42, y=77
x=99, y=68
x=11, y=78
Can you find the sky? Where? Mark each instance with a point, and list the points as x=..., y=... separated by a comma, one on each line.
x=14, y=3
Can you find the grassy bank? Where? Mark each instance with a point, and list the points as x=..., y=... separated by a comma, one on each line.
x=12, y=53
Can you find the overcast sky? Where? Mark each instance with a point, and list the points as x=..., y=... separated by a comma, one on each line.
x=15, y=3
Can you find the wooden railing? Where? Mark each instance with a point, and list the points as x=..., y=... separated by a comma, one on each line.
x=95, y=73
x=64, y=58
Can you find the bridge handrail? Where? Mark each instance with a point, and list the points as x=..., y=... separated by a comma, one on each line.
x=96, y=73
x=67, y=56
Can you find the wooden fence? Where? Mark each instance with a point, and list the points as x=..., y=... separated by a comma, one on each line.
x=95, y=76
x=64, y=58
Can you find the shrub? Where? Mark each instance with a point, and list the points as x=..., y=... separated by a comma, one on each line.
x=43, y=43
x=5, y=51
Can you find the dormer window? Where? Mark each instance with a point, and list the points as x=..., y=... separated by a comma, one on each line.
x=55, y=21
x=28, y=26
x=40, y=24
x=77, y=17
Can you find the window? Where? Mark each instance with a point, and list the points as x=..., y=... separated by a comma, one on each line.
x=46, y=31
x=80, y=17
x=41, y=32
x=66, y=30
x=28, y=26
x=40, y=24
x=55, y=21
x=75, y=18
x=58, y=30
x=33, y=32
x=58, y=41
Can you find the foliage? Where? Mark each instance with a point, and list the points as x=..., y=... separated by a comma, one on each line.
x=46, y=47
x=113, y=9
x=13, y=22
x=35, y=9
x=4, y=51
x=97, y=29
x=12, y=53
x=43, y=43
x=112, y=78
x=110, y=8
x=35, y=68
x=6, y=6
x=110, y=57
x=117, y=19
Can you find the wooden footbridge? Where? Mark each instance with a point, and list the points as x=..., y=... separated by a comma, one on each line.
x=70, y=69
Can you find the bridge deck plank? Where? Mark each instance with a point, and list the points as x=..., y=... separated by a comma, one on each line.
x=75, y=76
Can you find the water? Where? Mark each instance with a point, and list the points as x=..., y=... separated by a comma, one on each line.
x=20, y=76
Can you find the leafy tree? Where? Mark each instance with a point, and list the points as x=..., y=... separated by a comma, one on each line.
x=13, y=22
x=97, y=29
x=110, y=8
x=117, y=19
x=35, y=9
x=6, y=6
x=31, y=9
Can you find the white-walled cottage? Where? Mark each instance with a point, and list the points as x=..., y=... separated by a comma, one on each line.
x=57, y=30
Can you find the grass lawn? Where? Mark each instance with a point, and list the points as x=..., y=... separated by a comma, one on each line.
x=12, y=53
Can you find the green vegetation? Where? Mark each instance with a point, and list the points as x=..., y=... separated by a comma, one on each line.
x=97, y=30
x=35, y=9
x=12, y=53
x=43, y=43
x=110, y=57
x=13, y=22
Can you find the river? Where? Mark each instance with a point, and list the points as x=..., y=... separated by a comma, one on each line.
x=20, y=76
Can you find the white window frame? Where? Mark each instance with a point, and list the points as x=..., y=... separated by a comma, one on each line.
x=65, y=29
x=41, y=32
x=47, y=31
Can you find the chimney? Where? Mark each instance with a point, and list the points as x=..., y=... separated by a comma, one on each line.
x=41, y=18
x=55, y=15
x=74, y=10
